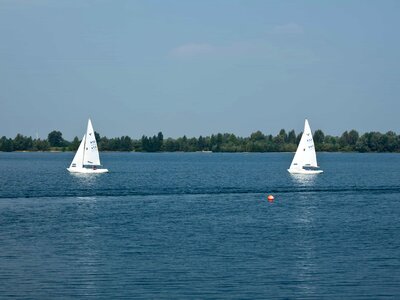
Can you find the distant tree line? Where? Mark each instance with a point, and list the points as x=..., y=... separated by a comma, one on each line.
x=349, y=141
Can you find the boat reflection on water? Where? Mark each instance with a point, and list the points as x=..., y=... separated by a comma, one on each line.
x=304, y=180
x=86, y=180
x=305, y=209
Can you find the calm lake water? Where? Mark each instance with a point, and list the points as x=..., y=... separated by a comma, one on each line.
x=197, y=225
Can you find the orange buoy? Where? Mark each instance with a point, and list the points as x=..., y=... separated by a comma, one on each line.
x=270, y=198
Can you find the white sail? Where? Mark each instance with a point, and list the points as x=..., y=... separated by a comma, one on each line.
x=305, y=156
x=77, y=162
x=91, y=155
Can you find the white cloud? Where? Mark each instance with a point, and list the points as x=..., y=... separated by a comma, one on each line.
x=266, y=49
x=198, y=49
x=290, y=28
x=189, y=50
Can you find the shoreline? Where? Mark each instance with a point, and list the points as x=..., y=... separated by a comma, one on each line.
x=203, y=152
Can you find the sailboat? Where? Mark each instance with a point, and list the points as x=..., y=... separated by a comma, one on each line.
x=87, y=158
x=305, y=159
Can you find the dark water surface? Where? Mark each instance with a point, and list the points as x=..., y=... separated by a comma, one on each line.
x=198, y=226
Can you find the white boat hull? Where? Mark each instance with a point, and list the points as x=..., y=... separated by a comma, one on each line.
x=305, y=171
x=87, y=170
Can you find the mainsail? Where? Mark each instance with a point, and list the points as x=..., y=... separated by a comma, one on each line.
x=91, y=152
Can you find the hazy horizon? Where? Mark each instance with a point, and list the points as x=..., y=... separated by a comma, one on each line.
x=198, y=68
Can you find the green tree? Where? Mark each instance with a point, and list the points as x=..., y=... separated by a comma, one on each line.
x=171, y=145
x=126, y=144
x=362, y=144
x=330, y=143
x=201, y=143
x=343, y=140
x=55, y=139
x=6, y=144
x=391, y=142
x=374, y=141
x=75, y=144
x=352, y=138
x=104, y=144
x=291, y=137
x=283, y=134
x=145, y=143
x=22, y=143
x=97, y=136
x=319, y=136
x=280, y=140
x=159, y=141
x=257, y=136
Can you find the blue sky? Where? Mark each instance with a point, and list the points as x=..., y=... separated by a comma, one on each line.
x=198, y=67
